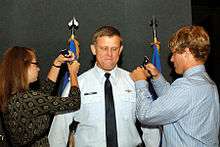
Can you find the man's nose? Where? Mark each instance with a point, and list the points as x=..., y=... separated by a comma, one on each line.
x=109, y=52
x=171, y=59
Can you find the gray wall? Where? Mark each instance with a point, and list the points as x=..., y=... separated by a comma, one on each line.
x=42, y=24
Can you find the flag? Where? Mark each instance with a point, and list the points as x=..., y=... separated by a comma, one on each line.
x=156, y=61
x=155, y=44
x=73, y=47
x=156, y=56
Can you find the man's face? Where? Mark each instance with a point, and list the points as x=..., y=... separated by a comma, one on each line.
x=107, y=50
x=179, y=61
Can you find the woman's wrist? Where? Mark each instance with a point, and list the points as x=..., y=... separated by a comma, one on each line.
x=57, y=66
x=74, y=81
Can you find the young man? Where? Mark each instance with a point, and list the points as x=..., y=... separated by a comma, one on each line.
x=188, y=109
x=93, y=117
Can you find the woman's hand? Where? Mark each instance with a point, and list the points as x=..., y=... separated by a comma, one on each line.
x=73, y=67
x=61, y=59
x=73, y=70
x=54, y=71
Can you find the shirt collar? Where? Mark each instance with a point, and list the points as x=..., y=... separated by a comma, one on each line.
x=100, y=73
x=194, y=70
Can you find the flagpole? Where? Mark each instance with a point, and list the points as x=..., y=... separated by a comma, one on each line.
x=155, y=44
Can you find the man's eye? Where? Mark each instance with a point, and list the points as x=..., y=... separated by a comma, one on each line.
x=115, y=48
x=104, y=48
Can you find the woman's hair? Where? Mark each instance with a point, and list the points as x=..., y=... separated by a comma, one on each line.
x=13, y=72
x=193, y=37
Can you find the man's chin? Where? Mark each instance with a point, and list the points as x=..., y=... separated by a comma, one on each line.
x=108, y=68
x=178, y=72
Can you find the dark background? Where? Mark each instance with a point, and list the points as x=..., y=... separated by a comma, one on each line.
x=42, y=24
x=207, y=14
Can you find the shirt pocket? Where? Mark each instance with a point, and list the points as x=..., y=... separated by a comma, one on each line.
x=91, y=108
x=128, y=105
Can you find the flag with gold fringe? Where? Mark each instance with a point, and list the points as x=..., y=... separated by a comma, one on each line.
x=73, y=46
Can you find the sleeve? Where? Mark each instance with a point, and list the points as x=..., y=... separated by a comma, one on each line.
x=151, y=136
x=37, y=103
x=47, y=86
x=167, y=108
x=59, y=131
x=161, y=86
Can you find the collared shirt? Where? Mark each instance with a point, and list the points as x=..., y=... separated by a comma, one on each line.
x=91, y=129
x=188, y=109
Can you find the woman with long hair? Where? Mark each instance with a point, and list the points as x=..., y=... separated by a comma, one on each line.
x=27, y=113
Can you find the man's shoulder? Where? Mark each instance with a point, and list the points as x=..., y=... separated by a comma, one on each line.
x=91, y=72
x=124, y=76
x=86, y=74
x=123, y=71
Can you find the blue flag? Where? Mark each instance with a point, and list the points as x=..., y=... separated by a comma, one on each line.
x=156, y=62
x=72, y=47
x=75, y=50
x=156, y=57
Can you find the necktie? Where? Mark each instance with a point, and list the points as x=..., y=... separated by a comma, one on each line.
x=111, y=132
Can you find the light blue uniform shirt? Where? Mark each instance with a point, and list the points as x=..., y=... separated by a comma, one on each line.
x=91, y=129
x=188, y=109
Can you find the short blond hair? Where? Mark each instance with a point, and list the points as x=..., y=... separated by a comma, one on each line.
x=193, y=37
x=106, y=31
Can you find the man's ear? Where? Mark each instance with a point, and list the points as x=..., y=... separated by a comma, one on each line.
x=93, y=50
x=187, y=50
x=120, y=50
x=188, y=53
